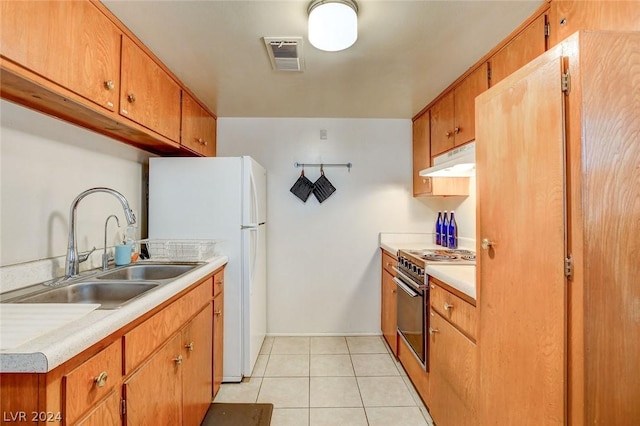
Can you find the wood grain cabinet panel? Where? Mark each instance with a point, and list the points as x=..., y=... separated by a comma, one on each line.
x=106, y=413
x=91, y=381
x=453, y=378
x=465, y=103
x=442, y=137
x=145, y=338
x=568, y=16
x=458, y=312
x=70, y=43
x=421, y=153
x=154, y=393
x=453, y=115
x=389, y=321
x=521, y=50
x=148, y=95
x=197, y=346
x=218, y=341
x=198, y=128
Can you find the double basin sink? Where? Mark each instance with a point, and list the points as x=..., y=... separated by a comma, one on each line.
x=111, y=289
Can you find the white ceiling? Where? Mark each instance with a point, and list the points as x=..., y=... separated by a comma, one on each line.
x=407, y=52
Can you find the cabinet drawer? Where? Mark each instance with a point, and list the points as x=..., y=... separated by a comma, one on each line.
x=140, y=342
x=91, y=381
x=459, y=312
x=388, y=262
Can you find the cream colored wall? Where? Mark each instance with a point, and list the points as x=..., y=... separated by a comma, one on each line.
x=323, y=259
x=44, y=164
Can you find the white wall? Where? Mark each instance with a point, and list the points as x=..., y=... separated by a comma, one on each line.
x=464, y=207
x=323, y=259
x=44, y=164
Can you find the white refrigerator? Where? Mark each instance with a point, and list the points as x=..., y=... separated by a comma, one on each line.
x=221, y=198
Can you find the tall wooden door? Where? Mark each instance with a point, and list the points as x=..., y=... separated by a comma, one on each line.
x=521, y=197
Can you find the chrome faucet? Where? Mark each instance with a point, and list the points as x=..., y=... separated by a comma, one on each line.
x=105, y=255
x=73, y=259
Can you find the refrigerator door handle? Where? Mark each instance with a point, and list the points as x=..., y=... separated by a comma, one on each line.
x=249, y=226
x=254, y=253
x=254, y=193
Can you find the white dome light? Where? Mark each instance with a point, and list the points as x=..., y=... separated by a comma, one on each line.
x=333, y=24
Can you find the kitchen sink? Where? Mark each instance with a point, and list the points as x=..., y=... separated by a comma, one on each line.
x=149, y=271
x=110, y=295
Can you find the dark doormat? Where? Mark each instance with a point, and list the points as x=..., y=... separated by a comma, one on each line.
x=223, y=414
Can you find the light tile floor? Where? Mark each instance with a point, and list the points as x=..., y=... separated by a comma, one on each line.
x=325, y=381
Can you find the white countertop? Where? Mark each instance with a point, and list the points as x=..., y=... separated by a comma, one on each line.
x=460, y=277
x=43, y=353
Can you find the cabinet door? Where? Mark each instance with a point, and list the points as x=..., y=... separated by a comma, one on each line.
x=525, y=47
x=87, y=384
x=197, y=343
x=521, y=196
x=198, y=128
x=421, y=153
x=453, y=361
x=389, y=311
x=569, y=16
x=442, y=125
x=106, y=413
x=465, y=103
x=218, y=340
x=68, y=42
x=154, y=392
x=148, y=95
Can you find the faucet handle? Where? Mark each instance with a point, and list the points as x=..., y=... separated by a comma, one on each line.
x=84, y=256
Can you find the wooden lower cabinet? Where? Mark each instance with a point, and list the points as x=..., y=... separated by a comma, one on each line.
x=106, y=413
x=453, y=358
x=218, y=341
x=159, y=369
x=197, y=377
x=87, y=384
x=453, y=370
x=153, y=394
x=388, y=320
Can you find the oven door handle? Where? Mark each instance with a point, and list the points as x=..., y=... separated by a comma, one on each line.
x=405, y=287
x=403, y=275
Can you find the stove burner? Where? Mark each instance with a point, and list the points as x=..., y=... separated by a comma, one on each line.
x=468, y=257
x=459, y=252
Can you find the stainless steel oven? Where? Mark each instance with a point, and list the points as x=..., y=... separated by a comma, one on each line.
x=413, y=306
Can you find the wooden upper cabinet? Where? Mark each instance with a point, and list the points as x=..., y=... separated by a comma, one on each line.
x=421, y=153
x=569, y=16
x=465, y=102
x=70, y=43
x=148, y=95
x=442, y=125
x=453, y=116
x=198, y=128
x=521, y=50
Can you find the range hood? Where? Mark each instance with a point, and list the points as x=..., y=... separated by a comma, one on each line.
x=459, y=162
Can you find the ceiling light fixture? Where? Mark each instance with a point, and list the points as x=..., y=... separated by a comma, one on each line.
x=333, y=24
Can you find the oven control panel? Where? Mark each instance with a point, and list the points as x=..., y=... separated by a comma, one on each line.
x=408, y=267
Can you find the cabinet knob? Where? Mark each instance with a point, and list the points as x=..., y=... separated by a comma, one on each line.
x=433, y=286
x=433, y=330
x=131, y=98
x=178, y=360
x=456, y=130
x=448, y=306
x=448, y=134
x=486, y=244
x=218, y=313
x=101, y=380
x=189, y=346
x=109, y=85
x=220, y=282
x=394, y=291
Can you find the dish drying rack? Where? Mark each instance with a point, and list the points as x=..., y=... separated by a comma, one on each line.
x=182, y=250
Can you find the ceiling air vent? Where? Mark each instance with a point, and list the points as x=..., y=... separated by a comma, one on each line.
x=285, y=53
